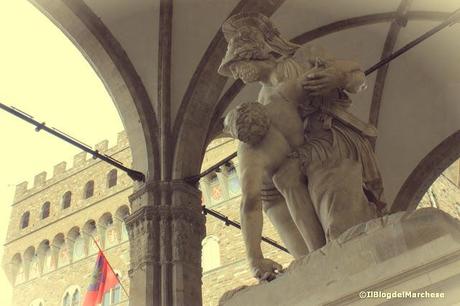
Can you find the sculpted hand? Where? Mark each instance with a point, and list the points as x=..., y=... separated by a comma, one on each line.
x=265, y=269
x=319, y=82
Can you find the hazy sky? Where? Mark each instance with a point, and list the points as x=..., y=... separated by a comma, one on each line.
x=43, y=74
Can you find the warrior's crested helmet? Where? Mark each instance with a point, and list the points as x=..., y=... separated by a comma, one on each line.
x=252, y=36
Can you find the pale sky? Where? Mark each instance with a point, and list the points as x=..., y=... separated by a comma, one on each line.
x=43, y=74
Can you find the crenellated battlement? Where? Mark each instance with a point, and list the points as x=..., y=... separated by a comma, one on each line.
x=60, y=171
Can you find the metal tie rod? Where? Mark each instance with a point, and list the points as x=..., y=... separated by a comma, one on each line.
x=133, y=174
x=228, y=222
x=448, y=22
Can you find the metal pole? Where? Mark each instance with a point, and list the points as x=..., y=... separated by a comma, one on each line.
x=228, y=222
x=135, y=175
x=449, y=21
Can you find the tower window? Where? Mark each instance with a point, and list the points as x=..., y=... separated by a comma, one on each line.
x=45, y=212
x=89, y=190
x=25, y=220
x=66, y=199
x=112, y=178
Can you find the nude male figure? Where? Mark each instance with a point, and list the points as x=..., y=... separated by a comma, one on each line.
x=263, y=148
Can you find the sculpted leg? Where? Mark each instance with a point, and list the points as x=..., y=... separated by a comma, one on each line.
x=277, y=211
x=292, y=184
x=338, y=196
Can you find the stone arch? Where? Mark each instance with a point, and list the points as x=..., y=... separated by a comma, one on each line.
x=29, y=252
x=107, y=230
x=426, y=172
x=105, y=219
x=107, y=57
x=60, y=250
x=72, y=242
x=45, y=256
x=73, y=233
x=121, y=214
x=16, y=269
x=91, y=236
x=28, y=256
x=43, y=246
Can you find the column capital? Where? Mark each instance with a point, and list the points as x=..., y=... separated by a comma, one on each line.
x=156, y=192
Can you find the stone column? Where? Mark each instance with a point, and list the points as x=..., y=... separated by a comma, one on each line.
x=165, y=230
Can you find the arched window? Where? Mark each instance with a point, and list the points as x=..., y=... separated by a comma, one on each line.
x=66, y=199
x=66, y=299
x=61, y=250
x=25, y=220
x=120, y=215
x=76, y=298
x=72, y=296
x=45, y=211
x=89, y=190
x=112, y=178
x=211, y=253
x=18, y=269
x=90, y=234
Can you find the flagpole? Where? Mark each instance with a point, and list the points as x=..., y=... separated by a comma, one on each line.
x=110, y=266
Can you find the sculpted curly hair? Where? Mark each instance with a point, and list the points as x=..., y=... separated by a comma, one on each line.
x=248, y=122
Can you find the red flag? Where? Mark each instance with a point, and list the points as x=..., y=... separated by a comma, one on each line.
x=102, y=280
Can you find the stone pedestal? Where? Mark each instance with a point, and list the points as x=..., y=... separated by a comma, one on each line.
x=407, y=255
x=165, y=230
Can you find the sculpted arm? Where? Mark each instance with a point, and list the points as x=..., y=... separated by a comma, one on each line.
x=251, y=176
x=251, y=211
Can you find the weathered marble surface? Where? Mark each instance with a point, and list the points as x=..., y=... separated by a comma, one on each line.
x=300, y=129
x=416, y=251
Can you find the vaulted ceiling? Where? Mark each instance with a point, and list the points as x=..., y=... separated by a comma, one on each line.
x=174, y=47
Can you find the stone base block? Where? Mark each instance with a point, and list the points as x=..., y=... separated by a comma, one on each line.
x=408, y=258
